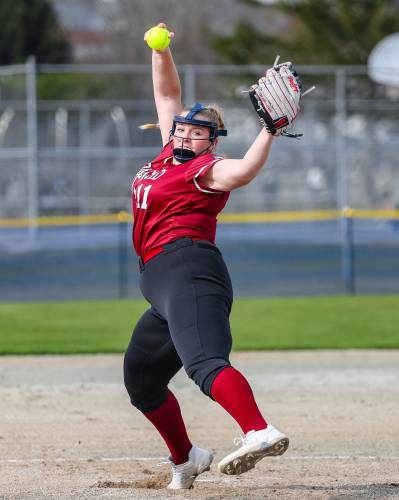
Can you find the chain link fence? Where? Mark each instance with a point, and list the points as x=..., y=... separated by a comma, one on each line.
x=75, y=148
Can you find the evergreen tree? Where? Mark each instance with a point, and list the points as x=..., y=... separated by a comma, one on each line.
x=30, y=27
x=323, y=32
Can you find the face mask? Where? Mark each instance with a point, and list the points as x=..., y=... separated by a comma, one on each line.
x=182, y=155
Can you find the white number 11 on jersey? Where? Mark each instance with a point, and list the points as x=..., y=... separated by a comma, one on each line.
x=137, y=193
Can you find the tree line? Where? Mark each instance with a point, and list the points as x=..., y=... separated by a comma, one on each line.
x=321, y=31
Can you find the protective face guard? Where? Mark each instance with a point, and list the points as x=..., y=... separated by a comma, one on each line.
x=190, y=120
x=182, y=154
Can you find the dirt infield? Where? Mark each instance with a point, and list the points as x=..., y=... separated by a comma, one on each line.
x=67, y=430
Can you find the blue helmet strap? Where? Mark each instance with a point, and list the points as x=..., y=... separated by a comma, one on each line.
x=194, y=110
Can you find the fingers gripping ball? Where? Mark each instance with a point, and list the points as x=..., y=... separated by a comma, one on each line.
x=157, y=38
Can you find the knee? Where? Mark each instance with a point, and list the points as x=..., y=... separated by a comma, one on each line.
x=205, y=372
x=144, y=391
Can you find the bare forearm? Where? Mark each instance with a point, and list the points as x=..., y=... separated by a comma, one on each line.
x=166, y=85
x=165, y=78
x=256, y=156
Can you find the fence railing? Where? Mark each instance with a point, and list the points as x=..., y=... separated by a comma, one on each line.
x=332, y=250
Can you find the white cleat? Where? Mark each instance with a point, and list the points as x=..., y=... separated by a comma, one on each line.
x=184, y=475
x=254, y=446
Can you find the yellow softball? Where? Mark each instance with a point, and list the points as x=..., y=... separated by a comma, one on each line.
x=157, y=38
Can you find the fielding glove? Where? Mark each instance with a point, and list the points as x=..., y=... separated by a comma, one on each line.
x=276, y=98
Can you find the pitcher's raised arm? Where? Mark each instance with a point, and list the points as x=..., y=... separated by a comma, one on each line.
x=167, y=88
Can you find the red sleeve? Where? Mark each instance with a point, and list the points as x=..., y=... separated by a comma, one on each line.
x=198, y=168
x=200, y=165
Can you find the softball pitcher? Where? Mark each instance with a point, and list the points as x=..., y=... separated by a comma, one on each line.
x=176, y=198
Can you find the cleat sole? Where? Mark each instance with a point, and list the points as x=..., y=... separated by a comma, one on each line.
x=247, y=461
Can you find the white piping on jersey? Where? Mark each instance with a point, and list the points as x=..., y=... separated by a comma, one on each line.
x=199, y=173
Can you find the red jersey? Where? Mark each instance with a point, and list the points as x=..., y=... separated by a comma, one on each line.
x=169, y=202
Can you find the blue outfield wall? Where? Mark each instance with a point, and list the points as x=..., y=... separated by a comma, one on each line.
x=265, y=259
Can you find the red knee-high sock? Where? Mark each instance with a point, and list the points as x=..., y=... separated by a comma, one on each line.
x=168, y=421
x=232, y=391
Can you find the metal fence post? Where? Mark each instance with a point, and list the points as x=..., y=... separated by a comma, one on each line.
x=84, y=165
x=123, y=267
x=348, y=253
x=347, y=264
x=33, y=169
x=189, y=85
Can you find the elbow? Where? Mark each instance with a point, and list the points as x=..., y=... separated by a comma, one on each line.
x=167, y=95
x=173, y=92
x=170, y=88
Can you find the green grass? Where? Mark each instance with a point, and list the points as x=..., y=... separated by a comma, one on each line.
x=289, y=323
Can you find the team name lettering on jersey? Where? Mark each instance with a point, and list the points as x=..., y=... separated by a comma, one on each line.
x=147, y=172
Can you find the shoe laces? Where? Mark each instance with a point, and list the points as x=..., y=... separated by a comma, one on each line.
x=179, y=468
x=239, y=440
x=242, y=439
x=167, y=461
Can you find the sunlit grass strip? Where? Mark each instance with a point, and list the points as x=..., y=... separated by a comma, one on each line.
x=335, y=322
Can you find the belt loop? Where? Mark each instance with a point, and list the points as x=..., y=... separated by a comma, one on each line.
x=141, y=264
